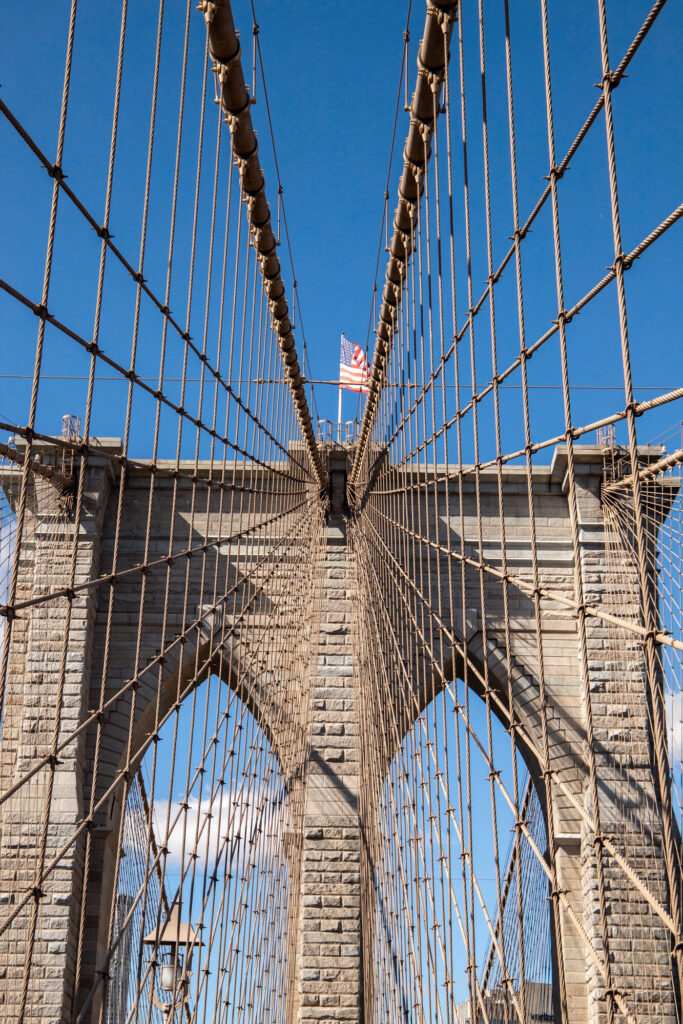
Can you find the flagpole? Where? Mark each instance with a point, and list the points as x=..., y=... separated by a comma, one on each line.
x=339, y=407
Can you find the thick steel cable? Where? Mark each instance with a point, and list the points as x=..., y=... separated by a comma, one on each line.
x=430, y=61
x=224, y=48
x=522, y=232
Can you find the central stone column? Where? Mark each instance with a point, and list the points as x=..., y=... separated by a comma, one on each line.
x=329, y=962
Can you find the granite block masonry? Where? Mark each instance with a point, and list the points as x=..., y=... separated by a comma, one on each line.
x=328, y=986
x=329, y=955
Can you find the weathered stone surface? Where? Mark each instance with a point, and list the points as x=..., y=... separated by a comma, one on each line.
x=330, y=910
x=328, y=971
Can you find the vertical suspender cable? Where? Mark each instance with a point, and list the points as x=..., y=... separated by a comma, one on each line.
x=224, y=48
x=431, y=66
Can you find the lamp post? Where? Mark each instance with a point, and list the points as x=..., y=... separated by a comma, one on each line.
x=174, y=943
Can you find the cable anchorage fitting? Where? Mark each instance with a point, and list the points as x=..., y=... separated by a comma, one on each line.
x=8, y=611
x=563, y=317
x=608, y=79
x=556, y=173
x=208, y=9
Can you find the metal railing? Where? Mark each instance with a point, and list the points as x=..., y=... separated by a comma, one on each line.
x=330, y=432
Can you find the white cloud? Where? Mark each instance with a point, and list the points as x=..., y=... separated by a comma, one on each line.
x=241, y=826
x=674, y=716
x=7, y=541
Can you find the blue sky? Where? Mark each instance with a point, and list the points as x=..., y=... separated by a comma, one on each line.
x=333, y=73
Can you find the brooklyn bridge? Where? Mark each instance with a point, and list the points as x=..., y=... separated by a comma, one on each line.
x=309, y=720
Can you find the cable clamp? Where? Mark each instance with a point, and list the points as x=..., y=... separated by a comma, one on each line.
x=608, y=79
x=620, y=260
x=563, y=317
x=556, y=173
x=519, y=234
x=435, y=81
x=445, y=17
x=425, y=127
x=208, y=9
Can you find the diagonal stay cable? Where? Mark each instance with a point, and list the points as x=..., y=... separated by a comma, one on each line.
x=224, y=49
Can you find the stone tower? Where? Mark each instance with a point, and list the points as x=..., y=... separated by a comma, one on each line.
x=328, y=940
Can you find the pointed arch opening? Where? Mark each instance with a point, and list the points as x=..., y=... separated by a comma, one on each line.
x=458, y=899
x=209, y=860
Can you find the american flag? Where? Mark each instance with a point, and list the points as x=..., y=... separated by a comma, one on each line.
x=354, y=370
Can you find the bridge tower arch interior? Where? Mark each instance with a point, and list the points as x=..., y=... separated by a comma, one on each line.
x=441, y=796
x=443, y=616
x=212, y=830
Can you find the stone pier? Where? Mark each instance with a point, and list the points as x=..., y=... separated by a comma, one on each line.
x=329, y=955
x=326, y=983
